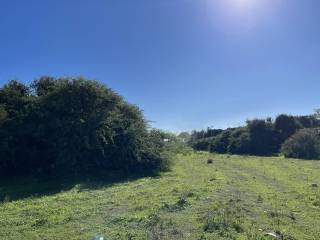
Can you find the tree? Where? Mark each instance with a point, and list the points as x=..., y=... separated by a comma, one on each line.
x=285, y=125
x=220, y=143
x=43, y=85
x=184, y=136
x=74, y=126
x=239, y=141
x=262, y=137
x=304, y=144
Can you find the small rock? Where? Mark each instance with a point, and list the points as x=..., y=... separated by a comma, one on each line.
x=98, y=238
x=273, y=234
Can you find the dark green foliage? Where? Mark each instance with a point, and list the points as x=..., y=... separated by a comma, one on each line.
x=259, y=137
x=209, y=132
x=200, y=140
x=44, y=85
x=239, y=141
x=72, y=125
x=307, y=121
x=263, y=138
x=304, y=144
x=285, y=125
x=201, y=144
x=221, y=142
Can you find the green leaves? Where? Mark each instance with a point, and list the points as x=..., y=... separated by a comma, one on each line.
x=304, y=144
x=73, y=125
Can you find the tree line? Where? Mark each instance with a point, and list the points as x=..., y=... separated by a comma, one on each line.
x=73, y=126
x=293, y=136
x=77, y=126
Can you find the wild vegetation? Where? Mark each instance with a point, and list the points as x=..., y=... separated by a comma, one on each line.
x=79, y=162
x=293, y=136
x=303, y=144
x=234, y=197
x=73, y=126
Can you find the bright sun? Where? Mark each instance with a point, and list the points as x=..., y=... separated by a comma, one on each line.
x=235, y=17
x=243, y=3
x=238, y=16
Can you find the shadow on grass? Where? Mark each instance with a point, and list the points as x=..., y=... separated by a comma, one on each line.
x=21, y=188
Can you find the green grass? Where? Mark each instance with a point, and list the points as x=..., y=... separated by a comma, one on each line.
x=236, y=197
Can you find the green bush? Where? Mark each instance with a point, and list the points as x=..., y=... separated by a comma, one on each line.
x=304, y=144
x=262, y=137
x=239, y=141
x=72, y=125
x=221, y=142
x=285, y=125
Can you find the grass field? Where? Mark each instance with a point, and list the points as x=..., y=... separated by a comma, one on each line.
x=235, y=197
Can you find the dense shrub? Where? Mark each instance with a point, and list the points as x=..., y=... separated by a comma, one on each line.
x=307, y=121
x=304, y=144
x=285, y=125
x=201, y=144
x=221, y=142
x=262, y=137
x=239, y=141
x=201, y=140
x=208, y=133
x=258, y=137
x=72, y=125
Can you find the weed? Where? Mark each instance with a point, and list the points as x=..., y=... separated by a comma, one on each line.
x=225, y=217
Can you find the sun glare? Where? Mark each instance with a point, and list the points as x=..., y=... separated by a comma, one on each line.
x=242, y=4
x=238, y=16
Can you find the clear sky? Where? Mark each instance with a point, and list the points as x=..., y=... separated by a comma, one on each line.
x=188, y=64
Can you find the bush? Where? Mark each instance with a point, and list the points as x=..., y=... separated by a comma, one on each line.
x=285, y=125
x=239, y=141
x=74, y=126
x=304, y=144
x=221, y=142
x=262, y=138
x=201, y=144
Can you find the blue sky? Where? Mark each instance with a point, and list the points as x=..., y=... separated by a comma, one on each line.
x=188, y=64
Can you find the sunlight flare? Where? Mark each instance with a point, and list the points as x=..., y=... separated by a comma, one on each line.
x=240, y=16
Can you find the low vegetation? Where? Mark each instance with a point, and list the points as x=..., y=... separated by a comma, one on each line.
x=233, y=197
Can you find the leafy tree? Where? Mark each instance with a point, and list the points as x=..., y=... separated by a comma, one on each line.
x=184, y=136
x=285, y=125
x=258, y=137
x=262, y=137
x=304, y=144
x=220, y=143
x=239, y=141
x=72, y=125
x=43, y=85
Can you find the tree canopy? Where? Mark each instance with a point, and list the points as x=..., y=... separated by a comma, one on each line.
x=72, y=125
x=258, y=137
